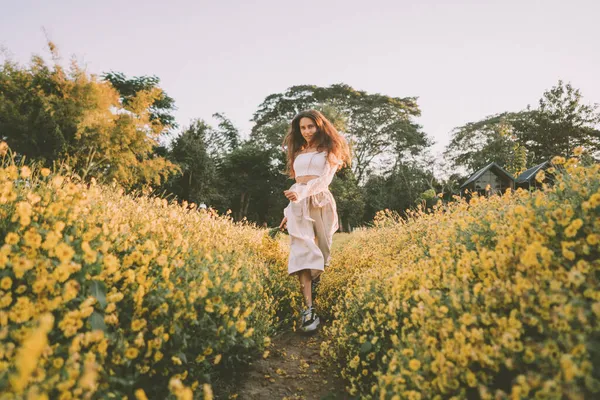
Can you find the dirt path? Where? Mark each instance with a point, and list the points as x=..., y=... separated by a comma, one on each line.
x=293, y=370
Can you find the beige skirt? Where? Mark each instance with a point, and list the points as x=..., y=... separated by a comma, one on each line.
x=311, y=223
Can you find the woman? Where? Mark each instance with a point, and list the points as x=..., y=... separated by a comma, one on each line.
x=315, y=151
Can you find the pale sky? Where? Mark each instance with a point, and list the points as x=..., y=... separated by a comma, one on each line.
x=464, y=60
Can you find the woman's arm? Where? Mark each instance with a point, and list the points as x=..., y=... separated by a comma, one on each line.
x=321, y=183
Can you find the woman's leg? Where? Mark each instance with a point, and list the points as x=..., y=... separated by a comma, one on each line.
x=305, y=280
x=324, y=218
x=310, y=321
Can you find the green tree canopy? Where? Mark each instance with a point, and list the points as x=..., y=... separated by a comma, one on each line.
x=476, y=144
x=518, y=140
x=378, y=127
x=197, y=180
x=51, y=114
x=254, y=183
x=560, y=124
x=162, y=106
x=399, y=189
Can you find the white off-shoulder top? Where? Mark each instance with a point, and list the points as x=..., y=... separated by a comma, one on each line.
x=312, y=163
x=315, y=163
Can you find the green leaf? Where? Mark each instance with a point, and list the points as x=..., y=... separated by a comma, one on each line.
x=97, y=322
x=182, y=357
x=366, y=347
x=98, y=290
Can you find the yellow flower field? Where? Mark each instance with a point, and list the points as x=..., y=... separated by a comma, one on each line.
x=107, y=295
x=496, y=298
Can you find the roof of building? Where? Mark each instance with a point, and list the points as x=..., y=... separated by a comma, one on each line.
x=531, y=172
x=477, y=174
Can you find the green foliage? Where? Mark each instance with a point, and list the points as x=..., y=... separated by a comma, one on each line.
x=197, y=180
x=520, y=140
x=162, y=106
x=476, y=144
x=54, y=115
x=488, y=299
x=131, y=292
x=399, y=190
x=349, y=198
x=560, y=124
x=377, y=126
x=253, y=183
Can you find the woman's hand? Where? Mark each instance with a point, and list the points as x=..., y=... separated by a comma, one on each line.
x=292, y=196
x=283, y=223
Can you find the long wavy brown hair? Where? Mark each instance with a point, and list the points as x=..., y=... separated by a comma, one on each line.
x=327, y=138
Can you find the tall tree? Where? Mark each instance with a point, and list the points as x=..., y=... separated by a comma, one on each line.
x=197, y=180
x=380, y=128
x=494, y=138
x=517, y=140
x=162, y=106
x=224, y=139
x=560, y=124
x=254, y=183
x=399, y=189
x=51, y=114
x=349, y=198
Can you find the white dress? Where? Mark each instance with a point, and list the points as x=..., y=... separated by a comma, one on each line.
x=312, y=219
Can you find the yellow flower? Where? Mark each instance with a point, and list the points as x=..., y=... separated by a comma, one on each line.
x=59, y=226
x=64, y=252
x=573, y=227
x=52, y=239
x=471, y=379
x=23, y=212
x=131, y=353
x=6, y=283
x=176, y=360
x=237, y=287
x=22, y=310
x=58, y=363
x=45, y=172
x=408, y=352
x=32, y=239
x=26, y=360
x=354, y=362
x=207, y=391
x=202, y=291
x=11, y=238
x=217, y=359
x=414, y=364
x=138, y=324
x=140, y=394
x=540, y=176
x=3, y=148
x=25, y=172
x=566, y=251
x=57, y=181
x=240, y=326
x=594, y=200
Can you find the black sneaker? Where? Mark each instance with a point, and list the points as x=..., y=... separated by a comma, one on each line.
x=310, y=320
x=314, y=287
